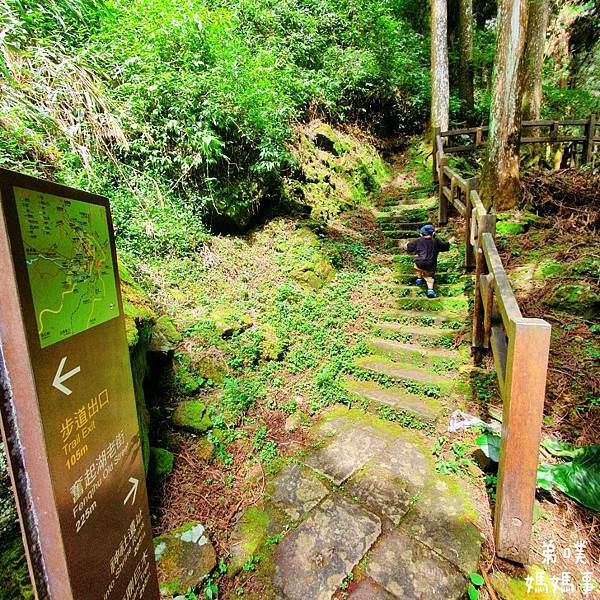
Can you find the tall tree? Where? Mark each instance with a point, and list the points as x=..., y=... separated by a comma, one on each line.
x=500, y=177
x=465, y=58
x=440, y=84
x=538, y=13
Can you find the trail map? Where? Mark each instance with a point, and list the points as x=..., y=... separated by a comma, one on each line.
x=69, y=262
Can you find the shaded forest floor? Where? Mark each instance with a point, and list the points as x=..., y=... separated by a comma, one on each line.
x=294, y=303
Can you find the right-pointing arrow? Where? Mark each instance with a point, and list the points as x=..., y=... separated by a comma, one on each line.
x=133, y=491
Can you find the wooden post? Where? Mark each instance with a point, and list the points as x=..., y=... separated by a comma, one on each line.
x=478, y=137
x=488, y=309
x=443, y=201
x=588, y=145
x=434, y=167
x=469, y=249
x=477, y=334
x=525, y=389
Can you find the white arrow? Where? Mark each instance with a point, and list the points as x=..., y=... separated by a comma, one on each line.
x=61, y=377
x=134, y=486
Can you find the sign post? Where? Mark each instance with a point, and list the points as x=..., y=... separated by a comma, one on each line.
x=67, y=402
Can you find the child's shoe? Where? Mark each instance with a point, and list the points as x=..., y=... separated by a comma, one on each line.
x=419, y=281
x=431, y=294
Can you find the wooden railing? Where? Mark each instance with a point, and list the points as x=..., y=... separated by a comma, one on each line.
x=520, y=348
x=532, y=132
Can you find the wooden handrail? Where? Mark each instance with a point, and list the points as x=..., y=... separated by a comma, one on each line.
x=587, y=139
x=520, y=346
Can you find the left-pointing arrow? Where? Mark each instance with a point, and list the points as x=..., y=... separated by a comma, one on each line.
x=61, y=377
x=133, y=491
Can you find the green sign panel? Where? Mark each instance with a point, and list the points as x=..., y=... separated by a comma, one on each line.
x=69, y=262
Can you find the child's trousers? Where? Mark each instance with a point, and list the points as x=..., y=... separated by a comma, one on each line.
x=427, y=276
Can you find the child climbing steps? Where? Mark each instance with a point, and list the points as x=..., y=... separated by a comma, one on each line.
x=427, y=247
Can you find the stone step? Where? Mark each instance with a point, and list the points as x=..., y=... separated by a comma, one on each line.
x=405, y=225
x=401, y=351
x=418, y=291
x=423, y=318
x=401, y=234
x=458, y=304
x=405, y=214
x=448, y=261
x=443, y=277
x=403, y=372
x=418, y=333
x=427, y=409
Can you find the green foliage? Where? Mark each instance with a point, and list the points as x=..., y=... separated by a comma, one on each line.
x=578, y=478
x=490, y=446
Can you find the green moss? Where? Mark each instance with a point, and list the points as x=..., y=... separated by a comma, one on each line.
x=271, y=346
x=136, y=306
x=249, y=537
x=549, y=269
x=305, y=261
x=579, y=298
x=341, y=171
x=192, y=416
x=185, y=557
x=229, y=320
x=509, y=228
x=511, y=588
x=161, y=464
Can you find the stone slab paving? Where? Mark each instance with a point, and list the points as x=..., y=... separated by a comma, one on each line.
x=387, y=496
x=295, y=491
x=442, y=520
x=313, y=560
x=367, y=589
x=410, y=570
x=406, y=460
x=346, y=454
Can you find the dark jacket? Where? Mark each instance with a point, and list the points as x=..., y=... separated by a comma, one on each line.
x=427, y=250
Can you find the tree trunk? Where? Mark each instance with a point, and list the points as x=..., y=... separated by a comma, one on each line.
x=500, y=178
x=533, y=58
x=465, y=58
x=440, y=85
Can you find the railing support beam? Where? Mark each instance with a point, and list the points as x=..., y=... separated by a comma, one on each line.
x=525, y=388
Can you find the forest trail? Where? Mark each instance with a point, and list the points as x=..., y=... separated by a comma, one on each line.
x=373, y=517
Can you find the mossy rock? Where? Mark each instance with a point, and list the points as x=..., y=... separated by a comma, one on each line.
x=577, y=298
x=229, y=320
x=165, y=336
x=510, y=588
x=161, y=464
x=192, y=416
x=549, y=269
x=271, y=346
x=185, y=557
x=507, y=228
x=136, y=306
x=211, y=364
x=248, y=537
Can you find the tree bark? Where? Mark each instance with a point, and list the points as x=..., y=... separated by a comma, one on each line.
x=465, y=58
x=440, y=84
x=500, y=178
x=533, y=58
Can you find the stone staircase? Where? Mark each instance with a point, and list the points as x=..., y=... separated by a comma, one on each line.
x=369, y=518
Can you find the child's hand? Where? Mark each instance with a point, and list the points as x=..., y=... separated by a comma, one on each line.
x=452, y=240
